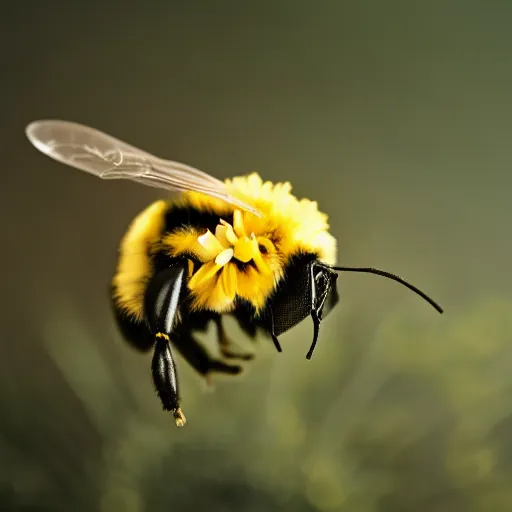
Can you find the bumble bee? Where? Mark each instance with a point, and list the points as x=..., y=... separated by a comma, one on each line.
x=242, y=247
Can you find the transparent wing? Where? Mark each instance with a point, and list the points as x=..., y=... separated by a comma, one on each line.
x=95, y=152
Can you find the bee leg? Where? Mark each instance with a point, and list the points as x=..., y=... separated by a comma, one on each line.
x=165, y=378
x=199, y=358
x=160, y=306
x=226, y=344
x=272, y=333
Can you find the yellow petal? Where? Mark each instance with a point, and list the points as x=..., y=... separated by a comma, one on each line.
x=228, y=280
x=244, y=250
x=206, y=272
x=225, y=234
x=238, y=223
x=223, y=257
x=230, y=235
x=217, y=298
x=258, y=259
x=210, y=243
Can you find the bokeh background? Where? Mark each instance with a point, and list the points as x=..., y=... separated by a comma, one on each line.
x=395, y=116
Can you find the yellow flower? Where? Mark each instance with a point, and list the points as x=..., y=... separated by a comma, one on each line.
x=217, y=250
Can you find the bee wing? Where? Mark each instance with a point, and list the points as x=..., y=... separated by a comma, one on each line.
x=95, y=152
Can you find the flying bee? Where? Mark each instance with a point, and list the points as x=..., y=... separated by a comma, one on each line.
x=243, y=247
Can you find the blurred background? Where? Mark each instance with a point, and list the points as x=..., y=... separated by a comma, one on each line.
x=395, y=117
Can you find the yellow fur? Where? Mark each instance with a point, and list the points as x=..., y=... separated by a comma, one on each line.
x=297, y=224
x=287, y=226
x=134, y=267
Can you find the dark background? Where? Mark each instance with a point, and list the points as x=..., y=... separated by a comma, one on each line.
x=395, y=116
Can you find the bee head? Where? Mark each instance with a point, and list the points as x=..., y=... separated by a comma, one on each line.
x=309, y=289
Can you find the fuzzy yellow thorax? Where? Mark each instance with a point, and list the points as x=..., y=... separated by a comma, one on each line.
x=295, y=224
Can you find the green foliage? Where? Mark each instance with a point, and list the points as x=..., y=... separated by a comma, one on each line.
x=408, y=414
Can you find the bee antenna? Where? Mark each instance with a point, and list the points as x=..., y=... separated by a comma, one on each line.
x=394, y=278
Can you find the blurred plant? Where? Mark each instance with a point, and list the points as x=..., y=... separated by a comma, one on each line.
x=406, y=415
